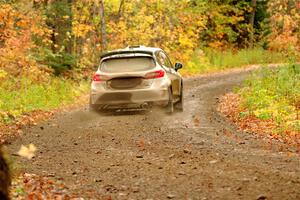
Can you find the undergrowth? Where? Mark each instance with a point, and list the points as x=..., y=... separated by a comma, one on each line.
x=274, y=94
x=211, y=60
x=19, y=96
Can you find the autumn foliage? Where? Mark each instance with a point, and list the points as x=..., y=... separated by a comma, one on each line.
x=16, y=39
x=268, y=104
x=70, y=35
x=284, y=23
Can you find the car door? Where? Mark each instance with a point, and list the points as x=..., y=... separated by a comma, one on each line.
x=172, y=73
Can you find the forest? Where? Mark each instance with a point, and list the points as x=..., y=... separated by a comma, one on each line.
x=49, y=48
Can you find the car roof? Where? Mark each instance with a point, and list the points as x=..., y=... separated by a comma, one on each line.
x=137, y=50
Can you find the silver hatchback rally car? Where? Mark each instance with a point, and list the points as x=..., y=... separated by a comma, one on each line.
x=136, y=77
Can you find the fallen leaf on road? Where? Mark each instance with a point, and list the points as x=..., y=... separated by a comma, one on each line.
x=27, y=152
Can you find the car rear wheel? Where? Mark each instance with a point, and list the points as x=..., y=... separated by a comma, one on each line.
x=170, y=106
x=179, y=104
x=93, y=107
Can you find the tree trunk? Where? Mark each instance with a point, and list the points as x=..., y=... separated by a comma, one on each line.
x=5, y=178
x=252, y=20
x=69, y=45
x=103, y=26
x=120, y=12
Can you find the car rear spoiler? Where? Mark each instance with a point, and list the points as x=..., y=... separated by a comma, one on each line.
x=125, y=52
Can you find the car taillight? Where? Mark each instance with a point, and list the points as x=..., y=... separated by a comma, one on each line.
x=156, y=74
x=98, y=77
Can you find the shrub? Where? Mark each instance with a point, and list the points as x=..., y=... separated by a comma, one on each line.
x=211, y=60
x=24, y=95
x=274, y=94
x=59, y=62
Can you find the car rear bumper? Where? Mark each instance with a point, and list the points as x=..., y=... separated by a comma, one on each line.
x=160, y=96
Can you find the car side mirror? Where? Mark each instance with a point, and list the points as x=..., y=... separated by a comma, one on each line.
x=178, y=66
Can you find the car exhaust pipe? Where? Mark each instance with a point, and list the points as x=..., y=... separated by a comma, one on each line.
x=145, y=106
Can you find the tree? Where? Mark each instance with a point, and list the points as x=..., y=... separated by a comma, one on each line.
x=103, y=25
x=227, y=24
x=284, y=23
x=121, y=8
x=252, y=18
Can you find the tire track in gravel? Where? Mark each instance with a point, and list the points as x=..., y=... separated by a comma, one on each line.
x=196, y=154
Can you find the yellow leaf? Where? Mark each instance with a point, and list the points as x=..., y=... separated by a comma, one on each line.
x=27, y=152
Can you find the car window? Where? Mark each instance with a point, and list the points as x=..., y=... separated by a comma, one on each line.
x=129, y=64
x=159, y=59
x=166, y=61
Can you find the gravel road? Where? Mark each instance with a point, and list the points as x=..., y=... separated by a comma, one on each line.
x=195, y=154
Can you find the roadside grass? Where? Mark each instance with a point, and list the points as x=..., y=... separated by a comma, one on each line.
x=230, y=59
x=274, y=94
x=18, y=97
x=211, y=60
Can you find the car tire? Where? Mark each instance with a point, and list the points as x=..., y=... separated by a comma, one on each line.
x=170, y=106
x=179, y=104
x=93, y=107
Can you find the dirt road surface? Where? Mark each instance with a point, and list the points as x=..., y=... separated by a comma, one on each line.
x=196, y=154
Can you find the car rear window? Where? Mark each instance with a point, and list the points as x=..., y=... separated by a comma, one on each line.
x=130, y=64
